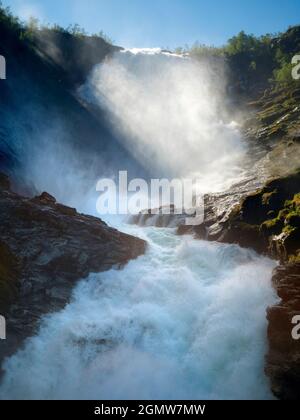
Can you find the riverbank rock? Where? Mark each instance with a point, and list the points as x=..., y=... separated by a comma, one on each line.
x=268, y=220
x=45, y=248
x=283, y=358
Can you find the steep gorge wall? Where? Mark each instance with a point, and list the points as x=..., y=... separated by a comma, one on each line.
x=45, y=248
x=41, y=115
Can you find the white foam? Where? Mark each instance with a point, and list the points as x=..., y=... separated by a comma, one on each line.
x=186, y=320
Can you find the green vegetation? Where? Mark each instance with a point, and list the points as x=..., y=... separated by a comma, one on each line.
x=268, y=220
x=25, y=31
x=288, y=214
x=252, y=60
x=255, y=60
x=10, y=23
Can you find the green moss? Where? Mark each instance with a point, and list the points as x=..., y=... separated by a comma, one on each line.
x=266, y=197
x=296, y=203
x=287, y=219
x=288, y=229
x=272, y=227
x=269, y=197
x=270, y=115
x=277, y=130
x=235, y=213
x=295, y=258
x=283, y=213
x=271, y=211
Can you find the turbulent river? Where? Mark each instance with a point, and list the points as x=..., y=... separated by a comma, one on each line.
x=187, y=320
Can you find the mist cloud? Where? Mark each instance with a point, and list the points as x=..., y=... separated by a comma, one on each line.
x=172, y=112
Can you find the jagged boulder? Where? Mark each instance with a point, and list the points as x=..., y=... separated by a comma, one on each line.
x=268, y=220
x=45, y=248
x=283, y=358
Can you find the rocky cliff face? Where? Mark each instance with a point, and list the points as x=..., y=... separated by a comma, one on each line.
x=45, y=247
x=269, y=221
x=283, y=358
x=72, y=56
x=41, y=114
x=263, y=212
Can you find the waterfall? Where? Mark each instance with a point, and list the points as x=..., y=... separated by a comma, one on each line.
x=172, y=113
x=187, y=319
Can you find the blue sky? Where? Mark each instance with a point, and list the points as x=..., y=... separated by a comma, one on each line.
x=165, y=23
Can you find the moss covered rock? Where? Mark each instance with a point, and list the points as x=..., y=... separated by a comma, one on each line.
x=269, y=219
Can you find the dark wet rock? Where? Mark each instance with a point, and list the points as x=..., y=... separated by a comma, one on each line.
x=45, y=198
x=45, y=248
x=276, y=115
x=74, y=55
x=4, y=182
x=283, y=358
x=42, y=113
x=163, y=216
x=267, y=220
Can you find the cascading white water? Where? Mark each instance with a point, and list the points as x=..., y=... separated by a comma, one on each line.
x=187, y=320
x=171, y=113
